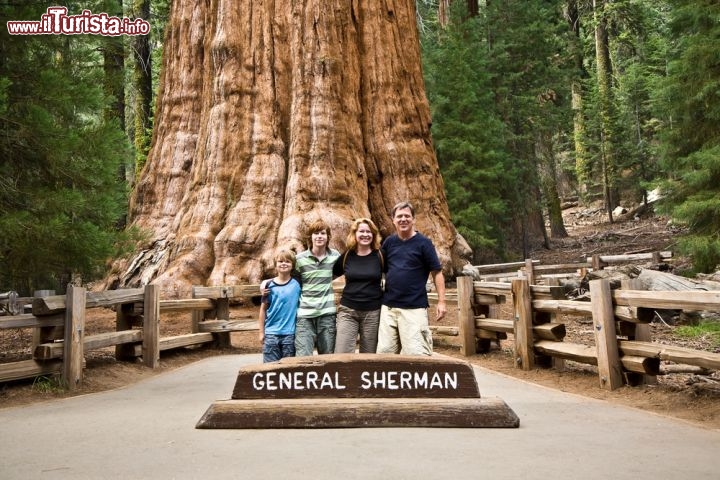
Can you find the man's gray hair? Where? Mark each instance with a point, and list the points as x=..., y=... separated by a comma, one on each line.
x=402, y=205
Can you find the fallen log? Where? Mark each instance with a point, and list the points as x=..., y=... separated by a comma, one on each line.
x=654, y=280
x=680, y=368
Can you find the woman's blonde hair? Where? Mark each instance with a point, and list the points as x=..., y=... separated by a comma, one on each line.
x=351, y=242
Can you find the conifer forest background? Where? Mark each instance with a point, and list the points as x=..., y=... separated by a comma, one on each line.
x=532, y=102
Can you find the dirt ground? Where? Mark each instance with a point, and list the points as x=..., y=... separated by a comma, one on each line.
x=674, y=395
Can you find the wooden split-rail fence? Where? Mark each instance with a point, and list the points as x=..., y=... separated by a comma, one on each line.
x=60, y=343
x=623, y=350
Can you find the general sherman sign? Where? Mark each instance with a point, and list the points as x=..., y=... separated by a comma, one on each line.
x=358, y=376
x=358, y=390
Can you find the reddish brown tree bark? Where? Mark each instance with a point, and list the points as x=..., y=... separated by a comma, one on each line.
x=272, y=114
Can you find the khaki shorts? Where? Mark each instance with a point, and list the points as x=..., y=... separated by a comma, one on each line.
x=405, y=331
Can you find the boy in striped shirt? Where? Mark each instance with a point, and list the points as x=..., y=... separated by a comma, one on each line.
x=316, y=313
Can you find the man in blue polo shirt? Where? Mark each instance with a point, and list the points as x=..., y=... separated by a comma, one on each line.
x=410, y=258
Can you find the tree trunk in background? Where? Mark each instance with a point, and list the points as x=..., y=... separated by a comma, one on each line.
x=547, y=172
x=604, y=73
x=582, y=168
x=274, y=114
x=114, y=86
x=142, y=83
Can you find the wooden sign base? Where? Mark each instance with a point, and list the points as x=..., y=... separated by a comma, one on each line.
x=358, y=390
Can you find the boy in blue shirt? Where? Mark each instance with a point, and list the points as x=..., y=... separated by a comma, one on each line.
x=279, y=309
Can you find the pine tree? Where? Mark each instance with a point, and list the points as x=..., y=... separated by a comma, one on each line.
x=692, y=153
x=60, y=196
x=468, y=135
x=527, y=44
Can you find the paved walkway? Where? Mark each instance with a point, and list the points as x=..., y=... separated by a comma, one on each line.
x=147, y=431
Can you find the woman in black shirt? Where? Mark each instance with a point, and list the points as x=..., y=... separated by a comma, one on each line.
x=359, y=310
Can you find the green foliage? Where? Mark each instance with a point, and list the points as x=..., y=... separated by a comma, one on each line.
x=706, y=329
x=491, y=98
x=60, y=193
x=469, y=139
x=690, y=101
x=48, y=384
x=639, y=53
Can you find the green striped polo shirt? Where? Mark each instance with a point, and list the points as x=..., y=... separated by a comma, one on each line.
x=317, y=297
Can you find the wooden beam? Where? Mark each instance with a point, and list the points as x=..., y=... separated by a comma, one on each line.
x=73, y=352
x=609, y=366
x=227, y=325
x=28, y=369
x=488, y=412
x=495, y=324
x=486, y=299
x=180, y=341
x=227, y=291
x=641, y=333
x=222, y=312
x=124, y=319
x=466, y=316
x=186, y=304
x=187, y=340
x=577, y=308
x=547, y=331
x=47, y=351
x=645, y=365
x=492, y=288
x=151, y=326
x=442, y=330
x=57, y=303
x=670, y=353
x=529, y=273
x=568, y=351
x=524, y=353
x=28, y=320
x=633, y=257
x=501, y=266
x=680, y=300
x=573, y=267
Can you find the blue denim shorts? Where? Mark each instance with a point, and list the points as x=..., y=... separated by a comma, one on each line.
x=276, y=347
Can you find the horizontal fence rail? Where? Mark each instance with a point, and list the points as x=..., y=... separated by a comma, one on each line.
x=616, y=314
x=59, y=343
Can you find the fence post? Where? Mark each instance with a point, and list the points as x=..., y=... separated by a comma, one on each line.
x=197, y=316
x=522, y=307
x=46, y=334
x=466, y=315
x=151, y=326
x=123, y=321
x=640, y=332
x=530, y=271
x=608, y=357
x=222, y=312
x=73, y=353
x=557, y=362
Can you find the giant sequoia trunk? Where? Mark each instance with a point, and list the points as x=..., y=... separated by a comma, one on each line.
x=272, y=114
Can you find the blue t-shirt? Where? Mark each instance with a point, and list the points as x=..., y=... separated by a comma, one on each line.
x=283, y=301
x=408, y=263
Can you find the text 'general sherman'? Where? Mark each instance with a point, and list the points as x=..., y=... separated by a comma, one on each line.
x=367, y=380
